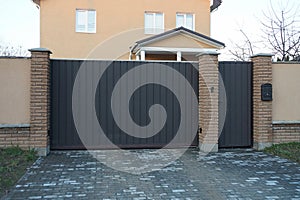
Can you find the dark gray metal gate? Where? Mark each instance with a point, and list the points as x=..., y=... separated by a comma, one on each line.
x=63, y=133
x=237, y=130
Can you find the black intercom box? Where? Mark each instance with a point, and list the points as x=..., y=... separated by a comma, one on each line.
x=266, y=92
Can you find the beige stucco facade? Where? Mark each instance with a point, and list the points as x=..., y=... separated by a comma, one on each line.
x=286, y=93
x=15, y=91
x=113, y=18
x=181, y=41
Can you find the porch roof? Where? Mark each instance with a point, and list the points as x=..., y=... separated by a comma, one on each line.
x=141, y=44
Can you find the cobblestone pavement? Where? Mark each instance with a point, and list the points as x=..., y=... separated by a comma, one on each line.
x=230, y=174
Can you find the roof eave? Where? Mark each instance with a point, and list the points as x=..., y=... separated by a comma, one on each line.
x=37, y=2
x=216, y=4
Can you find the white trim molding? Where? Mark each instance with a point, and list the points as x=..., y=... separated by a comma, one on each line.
x=175, y=50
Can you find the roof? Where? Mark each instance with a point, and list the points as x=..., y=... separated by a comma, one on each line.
x=176, y=31
x=37, y=2
x=215, y=5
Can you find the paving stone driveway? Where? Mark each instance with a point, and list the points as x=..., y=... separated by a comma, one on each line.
x=231, y=174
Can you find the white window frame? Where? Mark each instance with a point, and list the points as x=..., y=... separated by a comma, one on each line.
x=86, y=23
x=184, y=20
x=155, y=30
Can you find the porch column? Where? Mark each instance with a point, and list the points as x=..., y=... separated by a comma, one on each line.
x=178, y=56
x=40, y=100
x=208, y=101
x=137, y=57
x=262, y=110
x=143, y=55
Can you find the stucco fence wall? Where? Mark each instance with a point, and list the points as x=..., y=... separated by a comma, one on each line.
x=25, y=101
x=286, y=102
x=14, y=101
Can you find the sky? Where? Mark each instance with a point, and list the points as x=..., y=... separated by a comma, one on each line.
x=247, y=15
x=19, y=22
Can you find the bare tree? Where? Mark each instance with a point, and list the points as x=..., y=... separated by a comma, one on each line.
x=242, y=51
x=281, y=34
x=281, y=29
x=13, y=51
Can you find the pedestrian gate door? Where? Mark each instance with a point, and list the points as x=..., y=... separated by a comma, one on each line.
x=237, y=130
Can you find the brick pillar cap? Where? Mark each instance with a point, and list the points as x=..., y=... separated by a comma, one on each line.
x=212, y=52
x=262, y=55
x=40, y=50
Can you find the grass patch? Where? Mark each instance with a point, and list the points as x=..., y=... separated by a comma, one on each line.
x=289, y=151
x=13, y=164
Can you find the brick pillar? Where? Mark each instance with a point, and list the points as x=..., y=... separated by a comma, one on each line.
x=208, y=101
x=40, y=100
x=262, y=110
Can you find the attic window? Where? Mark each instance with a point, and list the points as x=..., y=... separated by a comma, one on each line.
x=85, y=21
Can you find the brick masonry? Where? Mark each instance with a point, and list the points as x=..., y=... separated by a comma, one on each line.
x=262, y=110
x=287, y=132
x=40, y=100
x=15, y=136
x=208, y=102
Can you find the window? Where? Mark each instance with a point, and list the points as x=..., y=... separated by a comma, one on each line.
x=85, y=21
x=154, y=23
x=186, y=20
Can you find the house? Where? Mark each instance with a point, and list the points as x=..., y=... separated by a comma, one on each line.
x=134, y=30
